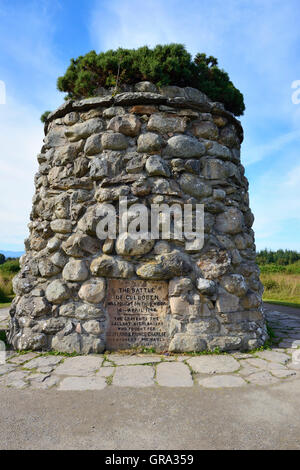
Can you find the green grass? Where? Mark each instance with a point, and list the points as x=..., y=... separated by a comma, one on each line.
x=281, y=287
x=293, y=268
x=5, y=304
x=7, y=271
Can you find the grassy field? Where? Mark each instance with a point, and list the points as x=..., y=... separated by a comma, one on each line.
x=7, y=272
x=282, y=284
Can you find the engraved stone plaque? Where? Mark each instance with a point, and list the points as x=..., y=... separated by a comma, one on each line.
x=137, y=313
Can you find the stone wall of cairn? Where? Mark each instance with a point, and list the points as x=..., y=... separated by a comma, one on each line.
x=171, y=145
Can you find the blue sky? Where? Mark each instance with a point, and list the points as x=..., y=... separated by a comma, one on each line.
x=256, y=41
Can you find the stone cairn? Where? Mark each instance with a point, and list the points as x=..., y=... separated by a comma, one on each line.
x=171, y=145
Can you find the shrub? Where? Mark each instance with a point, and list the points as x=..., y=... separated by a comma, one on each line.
x=44, y=116
x=270, y=284
x=10, y=267
x=164, y=65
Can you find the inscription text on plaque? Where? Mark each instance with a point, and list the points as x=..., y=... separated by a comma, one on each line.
x=136, y=314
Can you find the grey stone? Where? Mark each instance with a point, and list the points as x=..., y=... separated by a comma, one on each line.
x=81, y=311
x=66, y=344
x=133, y=360
x=80, y=366
x=18, y=360
x=113, y=111
x=84, y=130
x=43, y=361
x=173, y=374
x=183, y=342
x=194, y=186
x=5, y=368
x=206, y=286
x=156, y=166
x=93, y=327
x=114, y=141
x=231, y=221
x=127, y=124
x=134, y=376
x=180, y=286
x=93, y=291
x=47, y=383
x=93, y=144
x=61, y=226
x=222, y=381
x=128, y=246
x=214, y=263
x=205, y=130
x=110, y=266
x=218, y=151
x=213, y=364
x=227, y=303
x=235, y=284
x=160, y=122
x=75, y=270
x=214, y=169
x=98, y=167
x=47, y=268
x=262, y=378
x=57, y=291
x=105, y=372
x=82, y=383
x=80, y=245
x=165, y=266
x=149, y=143
x=183, y=146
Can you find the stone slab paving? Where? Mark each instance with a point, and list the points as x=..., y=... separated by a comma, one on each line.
x=133, y=360
x=222, y=381
x=34, y=370
x=174, y=374
x=82, y=383
x=81, y=366
x=134, y=376
x=214, y=364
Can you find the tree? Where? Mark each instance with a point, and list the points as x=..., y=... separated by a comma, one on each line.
x=2, y=258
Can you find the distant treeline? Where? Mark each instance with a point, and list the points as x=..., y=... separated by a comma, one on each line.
x=279, y=257
x=3, y=258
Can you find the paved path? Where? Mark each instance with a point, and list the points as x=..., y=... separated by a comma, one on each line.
x=234, y=401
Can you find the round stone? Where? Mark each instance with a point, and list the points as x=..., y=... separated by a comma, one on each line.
x=93, y=291
x=128, y=246
x=57, y=291
x=75, y=270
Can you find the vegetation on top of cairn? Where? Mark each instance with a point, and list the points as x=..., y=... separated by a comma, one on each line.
x=163, y=65
x=44, y=116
